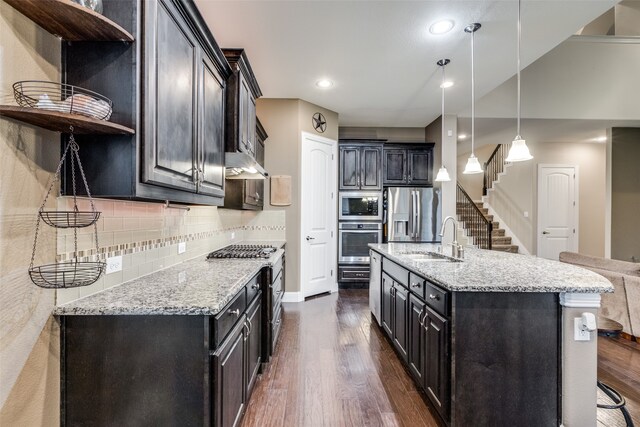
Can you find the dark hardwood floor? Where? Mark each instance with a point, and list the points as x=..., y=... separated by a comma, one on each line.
x=619, y=367
x=333, y=367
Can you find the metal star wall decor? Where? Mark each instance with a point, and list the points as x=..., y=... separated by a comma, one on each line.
x=319, y=122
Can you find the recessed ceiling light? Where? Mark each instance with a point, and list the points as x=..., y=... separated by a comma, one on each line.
x=462, y=136
x=324, y=83
x=441, y=27
x=446, y=84
x=600, y=139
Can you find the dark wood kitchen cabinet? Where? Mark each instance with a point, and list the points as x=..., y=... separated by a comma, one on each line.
x=360, y=166
x=187, y=370
x=243, y=90
x=171, y=90
x=490, y=361
x=408, y=164
x=248, y=194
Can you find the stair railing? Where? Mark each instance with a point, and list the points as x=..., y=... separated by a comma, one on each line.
x=474, y=220
x=494, y=166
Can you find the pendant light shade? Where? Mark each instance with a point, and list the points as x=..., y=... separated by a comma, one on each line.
x=519, y=152
x=443, y=173
x=473, y=165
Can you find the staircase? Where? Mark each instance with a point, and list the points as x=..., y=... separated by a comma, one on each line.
x=499, y=242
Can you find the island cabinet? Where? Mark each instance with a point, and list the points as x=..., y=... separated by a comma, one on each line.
x=159, y=369
x=169, y=85
x=243, y=90
x=408, y=164
x=360, y=165
x=502, y=367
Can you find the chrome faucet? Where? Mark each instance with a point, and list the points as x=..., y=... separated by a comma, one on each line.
x=457, y=251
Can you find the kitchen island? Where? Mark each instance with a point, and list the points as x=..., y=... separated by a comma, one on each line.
x=490, y=338
x=181, y=346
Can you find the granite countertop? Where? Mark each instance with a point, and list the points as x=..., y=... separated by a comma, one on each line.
x=494, y=271
x=195, y=287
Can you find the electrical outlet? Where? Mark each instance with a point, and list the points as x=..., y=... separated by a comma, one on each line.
x=580, y=334
x=233, y=235
x=114, y=264
x=182, y=277
x=449, y=132
x=182, y=247
x=526, y=214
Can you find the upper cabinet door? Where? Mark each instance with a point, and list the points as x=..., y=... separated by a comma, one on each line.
x=171, y=57
x=211, y=129
x=395, y=166
x=420, y=167
x=245, y=130
x=349, y=168
x=371, y=168
x=251, y=123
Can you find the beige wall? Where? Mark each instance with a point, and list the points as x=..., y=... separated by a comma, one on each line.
x=284, y=120
x=390, y=134
x=625, y=194
x=516, y=192
x=472, y=184
x=29, y=344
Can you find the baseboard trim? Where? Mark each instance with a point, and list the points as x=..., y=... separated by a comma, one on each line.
x=292, y=297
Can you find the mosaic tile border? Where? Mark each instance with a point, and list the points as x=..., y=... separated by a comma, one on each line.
x=145, y=245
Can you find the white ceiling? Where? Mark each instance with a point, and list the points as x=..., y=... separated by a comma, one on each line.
x=380, y=54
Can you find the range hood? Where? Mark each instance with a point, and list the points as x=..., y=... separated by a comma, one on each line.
x=240, y=165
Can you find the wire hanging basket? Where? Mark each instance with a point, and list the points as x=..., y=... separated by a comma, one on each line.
x=62, y=98
x=73, y=273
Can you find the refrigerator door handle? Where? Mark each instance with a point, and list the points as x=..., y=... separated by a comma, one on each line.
x=411, y=217
x=418, y=215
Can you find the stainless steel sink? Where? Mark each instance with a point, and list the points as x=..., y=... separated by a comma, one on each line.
x=428, y=257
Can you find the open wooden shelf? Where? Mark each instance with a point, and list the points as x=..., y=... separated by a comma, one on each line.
x=60, y=122
x=71, y=21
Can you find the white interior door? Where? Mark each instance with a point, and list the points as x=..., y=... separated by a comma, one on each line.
x=318, y=215
x=557, y=210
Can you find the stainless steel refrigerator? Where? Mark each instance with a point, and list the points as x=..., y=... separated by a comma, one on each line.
x=412, y=214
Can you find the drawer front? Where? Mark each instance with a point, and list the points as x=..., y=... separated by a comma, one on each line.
x=277, y=326
x=276, y=289
x=277, y=268
x=353, y=273
x=399, y=274
x=223, y=322
x=417, y=285
x=253, y=287
x=437, y=299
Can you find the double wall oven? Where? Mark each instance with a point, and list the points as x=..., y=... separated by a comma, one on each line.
x=360, y=215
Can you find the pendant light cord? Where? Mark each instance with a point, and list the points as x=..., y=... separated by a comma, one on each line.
x=518, y=54
x=473, y=97
x=442, y=120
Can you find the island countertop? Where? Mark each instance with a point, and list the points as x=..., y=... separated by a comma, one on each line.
x=194, y=287
x=494, y=271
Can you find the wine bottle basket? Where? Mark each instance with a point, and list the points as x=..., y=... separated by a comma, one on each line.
x=62, y=98
x=66, y=274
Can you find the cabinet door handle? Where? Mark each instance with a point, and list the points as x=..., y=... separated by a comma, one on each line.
x=255, y=286
x=245, y=326
x=420, y=317
x=435, y=297
x=250, y=326
x=236, y=312
x=416, y=285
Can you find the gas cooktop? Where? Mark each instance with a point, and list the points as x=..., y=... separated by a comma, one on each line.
x=243, y=251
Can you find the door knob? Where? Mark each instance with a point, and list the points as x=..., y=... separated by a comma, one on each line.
x=310, y=238
x=546, y=232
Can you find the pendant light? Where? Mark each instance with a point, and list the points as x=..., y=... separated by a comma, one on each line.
x=473, y=165
x=519, y=151
x=443, y=174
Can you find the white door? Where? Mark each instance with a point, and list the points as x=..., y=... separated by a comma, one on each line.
x=318, y=215
x=557, y=210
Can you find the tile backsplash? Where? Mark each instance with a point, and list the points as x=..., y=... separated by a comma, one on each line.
x=147, y=235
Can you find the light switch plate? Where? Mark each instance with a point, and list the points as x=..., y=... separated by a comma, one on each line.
x=449, y=132
x=578, y=333
x=182, y=247
x=114, y=264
